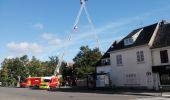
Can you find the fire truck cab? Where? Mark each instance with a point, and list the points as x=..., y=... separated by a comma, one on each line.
x=54, y=82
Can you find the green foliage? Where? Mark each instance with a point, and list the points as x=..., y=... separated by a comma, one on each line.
x=85, y=60
x=34, y=67
x=67, y=71
x=4, y=74
x=51, y=64
x=12, y=68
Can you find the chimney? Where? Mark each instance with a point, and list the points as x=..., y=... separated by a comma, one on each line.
x=163, y=22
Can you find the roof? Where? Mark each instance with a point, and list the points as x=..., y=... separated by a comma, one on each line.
x=106, y=54
x=162, y=38
x=143, y=38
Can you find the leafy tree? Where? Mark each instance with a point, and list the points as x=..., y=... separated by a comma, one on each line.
x=68, y=74
x=52, y=64
x=85, y=60
x=22, y=66
x=65, y=70
x=4, y=75
x=35, y=68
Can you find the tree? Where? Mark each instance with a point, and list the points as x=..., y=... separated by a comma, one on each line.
x=22, y=66
x=35, y=67
x=65, y=70
x=85, y=60
x=68, y=74
x=52, y=64
x=4, y=75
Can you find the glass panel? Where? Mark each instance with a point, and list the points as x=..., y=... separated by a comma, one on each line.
x=165, y=79
x=164, y=56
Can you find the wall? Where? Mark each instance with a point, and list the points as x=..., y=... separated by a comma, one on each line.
x=105, y=69
x=156, y=62
x=156, y=56
x=120, y=74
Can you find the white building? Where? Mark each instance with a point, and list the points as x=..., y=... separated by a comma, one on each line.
x=136, y=61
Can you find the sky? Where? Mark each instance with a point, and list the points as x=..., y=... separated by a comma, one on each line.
x=40, y=28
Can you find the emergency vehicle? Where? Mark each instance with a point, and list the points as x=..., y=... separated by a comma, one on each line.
x=32, y=82
x=54, y=82
x=45, y=82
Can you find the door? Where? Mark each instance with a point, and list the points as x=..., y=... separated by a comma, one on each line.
x=149, y=80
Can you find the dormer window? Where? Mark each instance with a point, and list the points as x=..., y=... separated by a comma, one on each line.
x=133, y=38
x=128, y=41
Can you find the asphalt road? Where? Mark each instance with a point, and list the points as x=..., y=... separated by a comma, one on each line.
x=29, y=94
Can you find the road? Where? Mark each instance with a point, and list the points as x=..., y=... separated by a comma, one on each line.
x=29, y=94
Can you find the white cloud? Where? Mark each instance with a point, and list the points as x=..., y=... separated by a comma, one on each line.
x=38, y=26
x=87, y=37
x=24, y=48
x=84, y=35
x=51, y=39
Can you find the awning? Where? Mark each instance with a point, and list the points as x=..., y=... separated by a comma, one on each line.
x=161, y=69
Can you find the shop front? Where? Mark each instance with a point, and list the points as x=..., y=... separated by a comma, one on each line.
x=164, y=74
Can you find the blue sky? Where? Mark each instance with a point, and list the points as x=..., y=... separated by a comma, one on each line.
x=40, y=27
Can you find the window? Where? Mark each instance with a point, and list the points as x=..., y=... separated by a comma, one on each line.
x=140, y=56
x=105, y=61
x=164, y=56
x=46, y=80
x=108, y=61
x=119, y=59
x=128, y=41
x=131, y=79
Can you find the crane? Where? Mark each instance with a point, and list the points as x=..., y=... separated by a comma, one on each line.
x=82, y=7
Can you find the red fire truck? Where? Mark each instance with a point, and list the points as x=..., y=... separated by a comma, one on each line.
x=33, y=82
x=54, y=82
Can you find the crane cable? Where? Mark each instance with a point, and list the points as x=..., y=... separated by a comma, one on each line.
x=73, y=28
x=68, y=41
x=92, y=27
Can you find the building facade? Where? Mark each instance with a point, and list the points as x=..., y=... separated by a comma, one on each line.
x=135, y=61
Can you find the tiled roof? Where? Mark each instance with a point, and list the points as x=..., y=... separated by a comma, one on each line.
x=162, y=38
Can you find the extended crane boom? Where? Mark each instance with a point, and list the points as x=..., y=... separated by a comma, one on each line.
x=82, y=3
x=68, y=41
